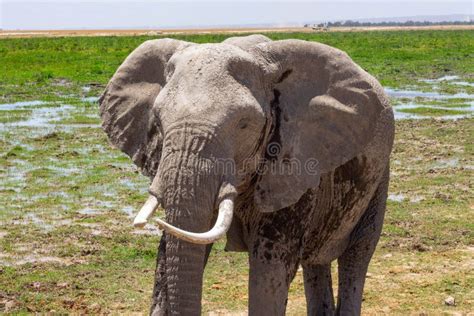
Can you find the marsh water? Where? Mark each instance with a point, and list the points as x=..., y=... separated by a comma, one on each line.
x=409, y=104
x=27, y=127
x=413, y=103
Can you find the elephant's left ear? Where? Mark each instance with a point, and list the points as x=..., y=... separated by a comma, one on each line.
x=127, y=102
x=325, y=111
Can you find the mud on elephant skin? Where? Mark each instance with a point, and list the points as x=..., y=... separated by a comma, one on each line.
x=307, y=135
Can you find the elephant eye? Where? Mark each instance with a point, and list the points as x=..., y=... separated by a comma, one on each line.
x=243, y=123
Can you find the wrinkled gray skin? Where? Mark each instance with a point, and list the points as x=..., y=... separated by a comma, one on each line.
x=176, y=108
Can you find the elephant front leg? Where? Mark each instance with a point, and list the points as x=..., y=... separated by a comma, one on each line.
x=318, y=289
x=355, y=260
x=269, y=281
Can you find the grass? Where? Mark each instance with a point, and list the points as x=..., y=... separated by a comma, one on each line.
x=453, y=105
x=66, y=240
x=45, y=66
x=432, y=111
x=81, y=119
x=456, y=105
x=453, y=102
x=14, y=116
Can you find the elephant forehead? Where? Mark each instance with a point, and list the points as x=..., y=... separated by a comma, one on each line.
x=210, y=73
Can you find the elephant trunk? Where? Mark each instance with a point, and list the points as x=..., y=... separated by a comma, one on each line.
x=181, y=270
x=184, y=273
x=178, y=278
x=190, y=189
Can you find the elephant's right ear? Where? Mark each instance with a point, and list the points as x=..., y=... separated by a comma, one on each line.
x=126, y=104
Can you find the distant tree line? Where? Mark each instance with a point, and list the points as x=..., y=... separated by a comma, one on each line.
x=406, y=23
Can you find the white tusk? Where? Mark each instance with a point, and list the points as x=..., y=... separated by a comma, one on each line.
x=146, y=212
x=224, y=218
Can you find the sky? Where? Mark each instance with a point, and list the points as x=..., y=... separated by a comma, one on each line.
x=127, y=14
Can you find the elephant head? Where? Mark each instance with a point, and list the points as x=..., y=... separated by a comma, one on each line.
x=280, y=113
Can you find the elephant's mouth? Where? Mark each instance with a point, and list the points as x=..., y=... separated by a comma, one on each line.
x=220, y=228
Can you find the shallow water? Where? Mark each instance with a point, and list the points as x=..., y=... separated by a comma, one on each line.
x=398, y=116
x=133, y=186
x=404, y=115
x=451, y=79
x=31, y=259
x=22, y=104
x=469, y=108
x=396, y=93
x=65, y=171
x=414, y=95
x=42, y=117
x=90, y=99
x=464, y=83
x=48, y=118
x=89, y=211
x=444, y=78
x=396, y=197
x=446, y=163
x=130, y=210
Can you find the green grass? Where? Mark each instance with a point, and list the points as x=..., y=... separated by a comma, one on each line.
x=66, y=240
x=456, y=105
x=452, y=103
x=432, y=111
x=14, y=116
x=81, y=119
x=39, y=66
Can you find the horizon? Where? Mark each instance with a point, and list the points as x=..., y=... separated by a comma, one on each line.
x=156, y=14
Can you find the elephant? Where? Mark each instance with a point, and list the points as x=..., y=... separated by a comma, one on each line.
x=281, y=147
